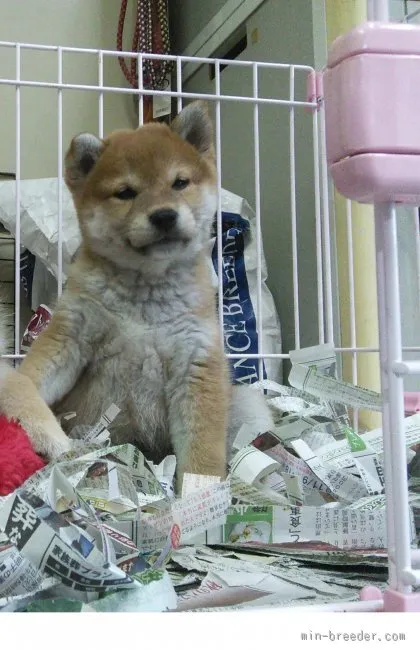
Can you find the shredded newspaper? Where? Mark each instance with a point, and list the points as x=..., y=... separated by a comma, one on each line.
x=300, y=519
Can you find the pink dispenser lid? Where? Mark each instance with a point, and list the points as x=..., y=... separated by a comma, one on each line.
x=412, y=402
x=375, y=38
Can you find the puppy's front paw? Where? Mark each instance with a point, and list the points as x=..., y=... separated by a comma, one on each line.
x=54, y=443
x=21, y=401
x=48, y=438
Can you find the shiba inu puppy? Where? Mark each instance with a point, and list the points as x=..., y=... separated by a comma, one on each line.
x=136, y=324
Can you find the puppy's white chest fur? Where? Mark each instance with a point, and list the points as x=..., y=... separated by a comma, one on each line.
x=145, y=339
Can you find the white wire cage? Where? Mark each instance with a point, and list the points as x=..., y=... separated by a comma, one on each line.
x=294, y=101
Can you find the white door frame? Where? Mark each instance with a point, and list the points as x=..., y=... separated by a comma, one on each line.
x=218, y=29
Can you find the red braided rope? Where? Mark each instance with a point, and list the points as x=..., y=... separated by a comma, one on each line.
x=120, y=31
x=151, y=35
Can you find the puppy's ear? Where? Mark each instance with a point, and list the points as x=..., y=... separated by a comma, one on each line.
x=194, y=125
x=81, y=157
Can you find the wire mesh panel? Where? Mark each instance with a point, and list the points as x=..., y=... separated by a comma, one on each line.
x=270, y=150
x=73, y=93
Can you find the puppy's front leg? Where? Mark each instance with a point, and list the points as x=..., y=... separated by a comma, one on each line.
x=198, y=418
x=47, y=373
x=20, y=400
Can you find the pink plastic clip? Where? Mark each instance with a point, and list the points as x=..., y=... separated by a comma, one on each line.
x=314, y=90
x=411, y=403
x=371, y=593
x=394, y=601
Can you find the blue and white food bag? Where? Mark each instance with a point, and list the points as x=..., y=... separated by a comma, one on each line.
x=240, y=281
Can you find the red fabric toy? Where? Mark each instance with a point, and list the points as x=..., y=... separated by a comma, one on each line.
x=18, y=460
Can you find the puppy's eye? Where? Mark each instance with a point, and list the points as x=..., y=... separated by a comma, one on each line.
x=126, y=194
x=180, y=183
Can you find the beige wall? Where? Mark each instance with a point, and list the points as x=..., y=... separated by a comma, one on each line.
x=75, y=23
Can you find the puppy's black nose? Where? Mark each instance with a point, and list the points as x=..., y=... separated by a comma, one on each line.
x=163, y=219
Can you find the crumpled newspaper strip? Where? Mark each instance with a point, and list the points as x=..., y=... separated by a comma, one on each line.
x=199, y=560
x=344, y=486
x=155, y=595
x=39, y=543
x=224, y=587
x=99, y=432
x=313, y=489
x=193, y=482
x=293, y=400
x=367, y=462
x=196, y=513
x=237, y=579
x=322, y=359
x=12, y=602
x=361, y=454
x=334, y=390
x=302, y=494
x=165, y=474
x=17, y=575
x=244, y=493
x=337, y=453
x=54, y=526
x=345, y=528
x=252, y=465
x=315, y=553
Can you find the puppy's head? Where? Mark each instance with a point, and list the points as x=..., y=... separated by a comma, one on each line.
x=146, y=199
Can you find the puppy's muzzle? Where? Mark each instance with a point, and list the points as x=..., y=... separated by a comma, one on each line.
x=164, y=220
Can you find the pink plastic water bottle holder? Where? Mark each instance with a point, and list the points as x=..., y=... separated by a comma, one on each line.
x=411, y=403
x=372, y=104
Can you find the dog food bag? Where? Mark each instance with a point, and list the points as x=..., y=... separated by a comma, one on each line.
x=240, y=285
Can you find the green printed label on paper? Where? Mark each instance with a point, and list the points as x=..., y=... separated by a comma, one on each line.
x=248, y=524
x=148, y=576
x=355, y=441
